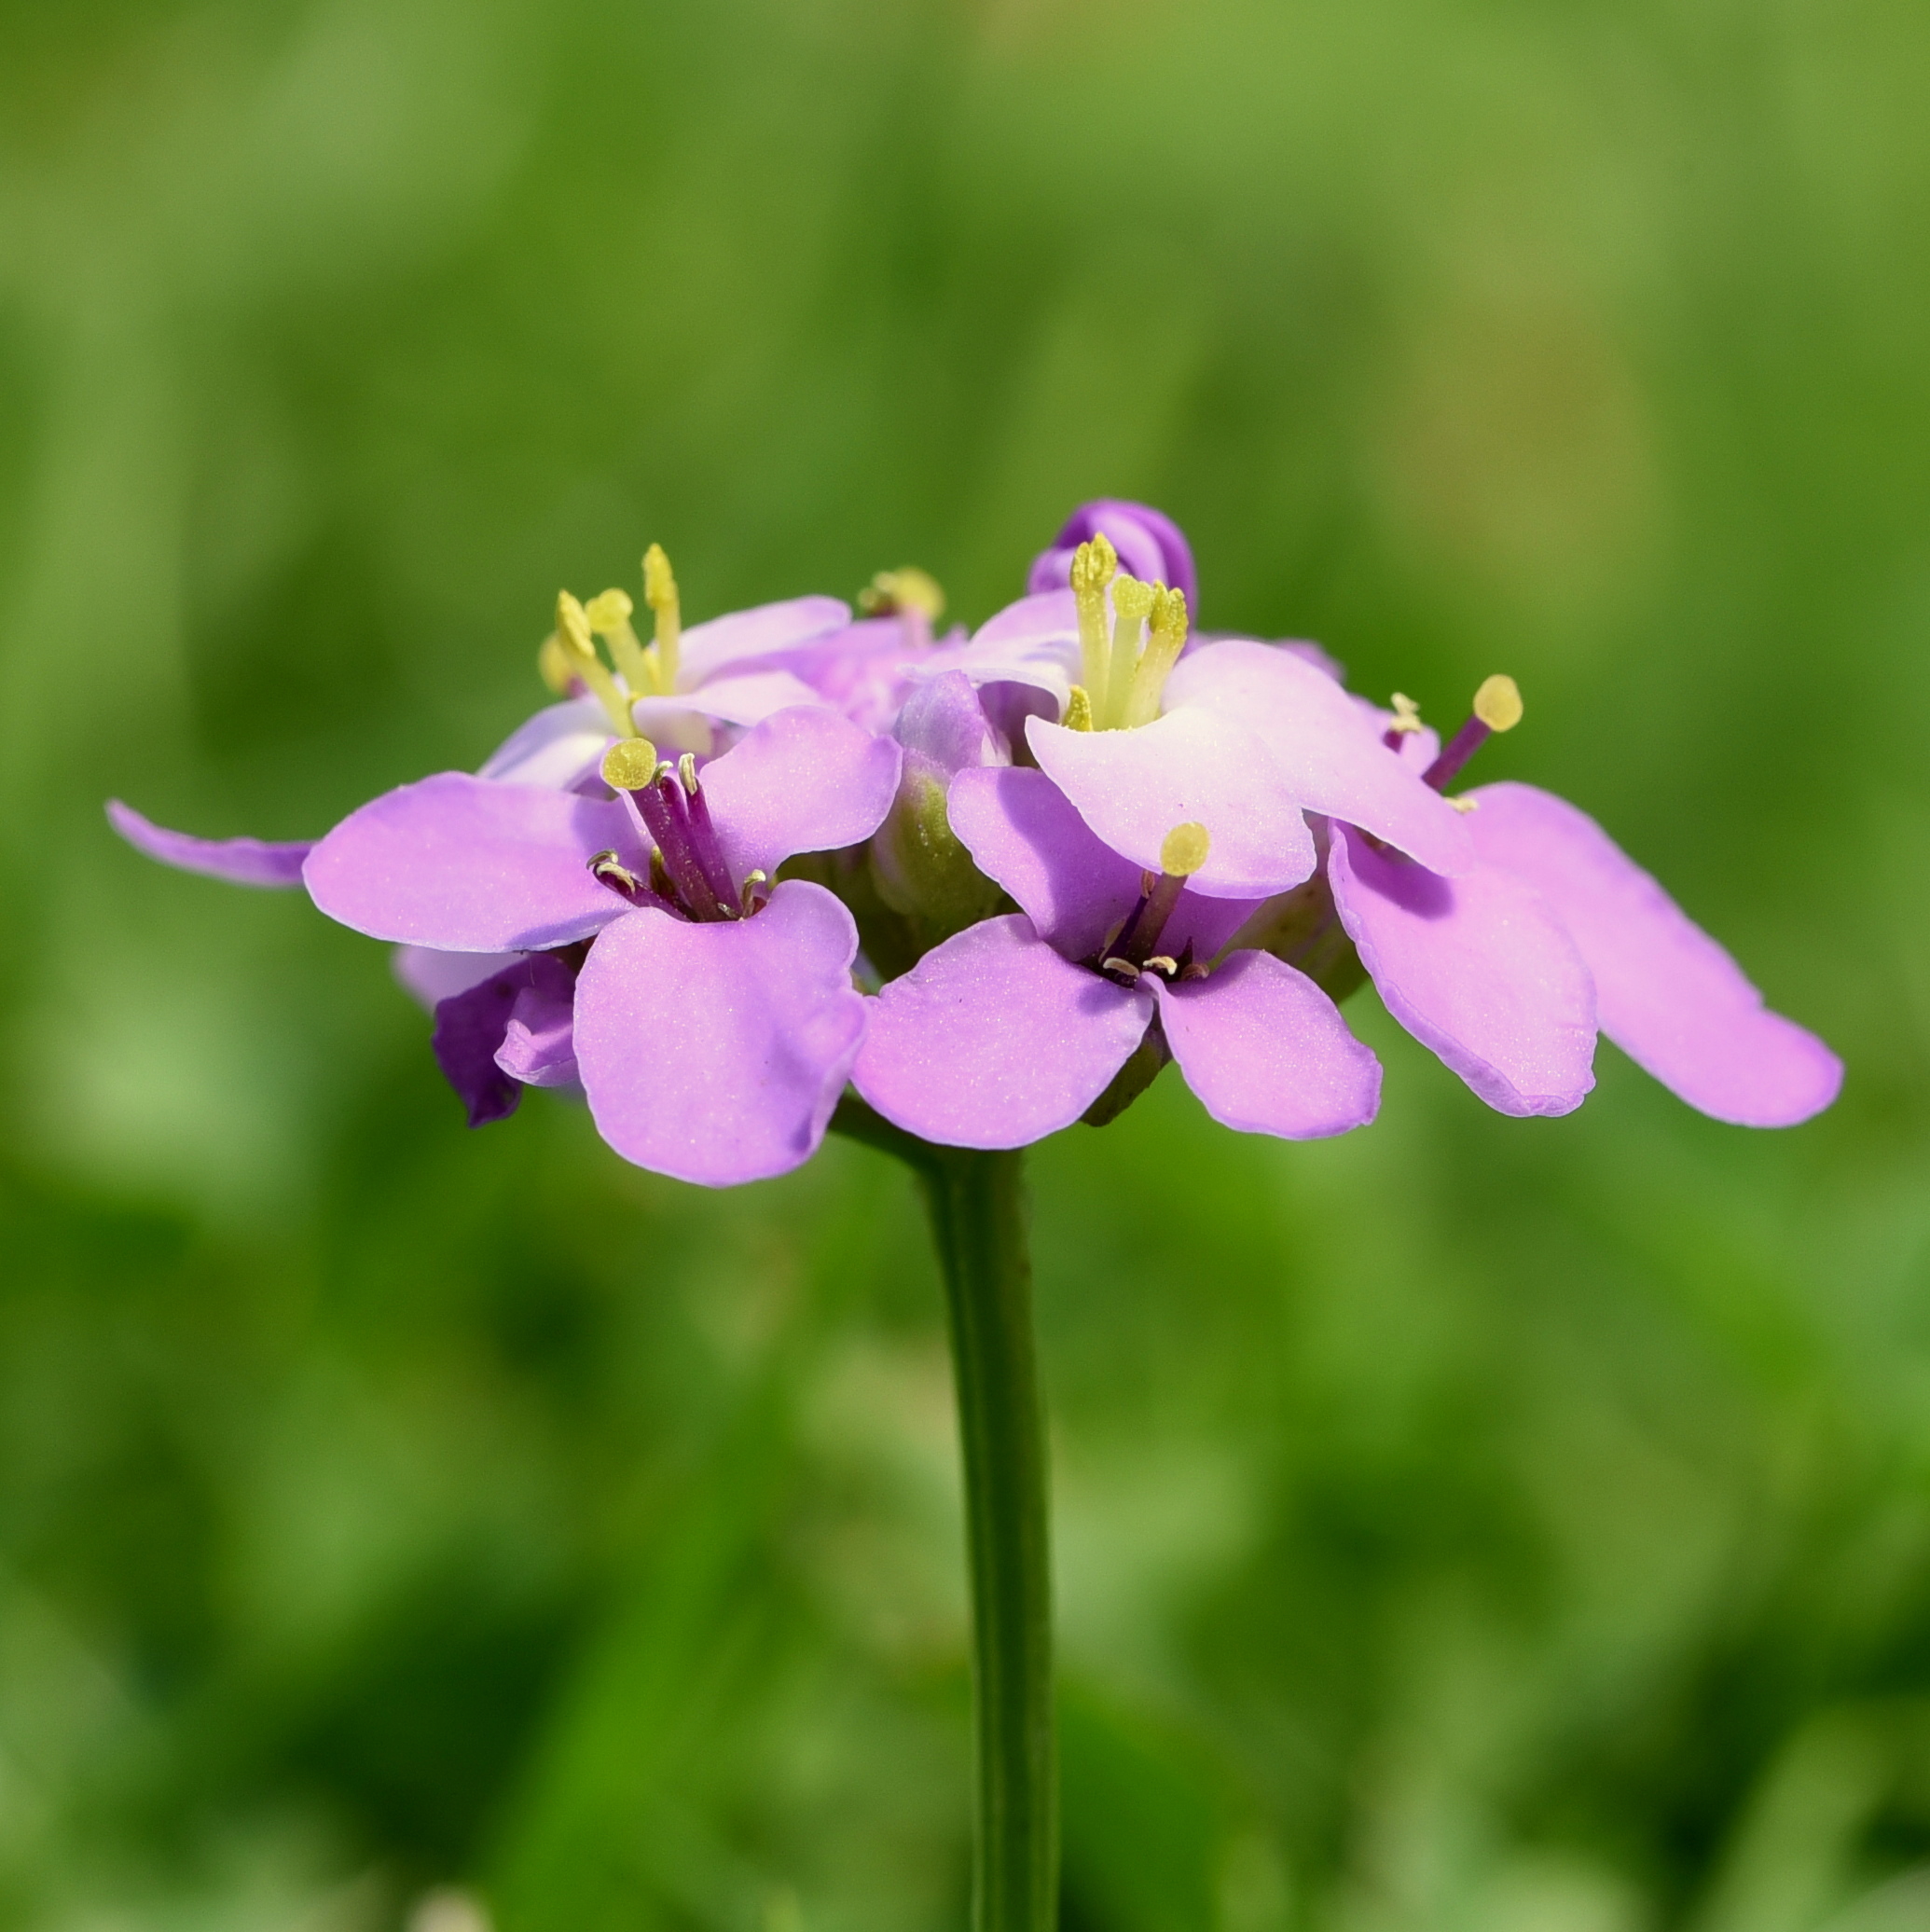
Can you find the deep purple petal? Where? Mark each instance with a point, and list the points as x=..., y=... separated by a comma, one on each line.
x=1328, y=752
x=992, y=1039
x=805, y=780
x=704, y=649
x=467, y=865
x=1478, y=970
x=1150, y=546
x=241, y=861
x=430, y=977
x=1022, y=831
x=533, y=993
x=1267, y=1051
x=1670, y=997
x=537, y=1047
x=715, y=1054
x=1134, y=787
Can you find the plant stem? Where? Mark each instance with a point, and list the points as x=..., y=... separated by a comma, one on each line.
x=977, y=1209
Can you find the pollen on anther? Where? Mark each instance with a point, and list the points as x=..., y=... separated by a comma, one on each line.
x=1407, y=714
x=1184, y=850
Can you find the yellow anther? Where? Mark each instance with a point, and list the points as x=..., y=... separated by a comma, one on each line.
x=573, y=639
x=688, y=773
x=1184, y=850
x=554, y=667
x=609, y=617
x=1407, y=714
x=629, y=764
x=607, y=610
x=1093, y=568
x=1079, y=710
x=907, y=589
x=572, y=626
x=660, y=594
x=1498, y=703
x=1163, y=647
x=1465, y=805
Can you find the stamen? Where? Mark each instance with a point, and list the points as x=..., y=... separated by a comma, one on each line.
x=1132, y=604
x=1079, y=710
x=703, y=833
x=660, y=594
x=1121, y=970
x=1163, y=648
x=908, y=589
x=608, y=867
x=1094, y=565
x=658, y=797
x=552, y=666
x=609, y=617
x=574, y=637
x=1407, y=718
x=750, y=900
x=1164, y=964
x=1497, y=707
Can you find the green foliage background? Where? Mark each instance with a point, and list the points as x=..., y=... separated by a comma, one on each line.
x=1469, y=1523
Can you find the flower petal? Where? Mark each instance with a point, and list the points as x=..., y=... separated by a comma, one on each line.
x=704, y=649
x=1033, y=641
x=467, y=865
x=1267, y=1051
x=1671, y=998
x=241, y=861
x=556, y=748
x=531, y=995
x=1478, y=970
x=992, y=1039
x=805, y=780
x=715, y=1054
x=1133, y=787
x=1022, y=831
x=1327, y=750
x=1150, y=544
x=430, y=977
x=748, y=699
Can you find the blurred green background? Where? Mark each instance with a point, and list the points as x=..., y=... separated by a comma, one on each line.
x=1471, y=1523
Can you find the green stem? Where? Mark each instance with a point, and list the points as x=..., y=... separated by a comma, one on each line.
x=978, y=1222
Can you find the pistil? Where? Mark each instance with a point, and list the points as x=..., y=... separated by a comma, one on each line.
x=1497, y=707
x=671, y=811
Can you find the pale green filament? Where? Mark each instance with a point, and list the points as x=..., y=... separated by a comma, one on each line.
x=1093, y=568
x=1148, y=684
x=1132, y=604
x=578, y=647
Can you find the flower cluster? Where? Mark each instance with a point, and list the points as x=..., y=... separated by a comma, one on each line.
x=996, y=882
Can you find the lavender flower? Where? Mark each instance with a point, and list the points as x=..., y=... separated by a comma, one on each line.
x=1019, y=1026
x=1148, y=541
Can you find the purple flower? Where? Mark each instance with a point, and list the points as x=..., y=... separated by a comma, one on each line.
x=1506, y=972
x=1149, y=544
x=1018, y=1025
x=713, y=1020
x=1244, y=738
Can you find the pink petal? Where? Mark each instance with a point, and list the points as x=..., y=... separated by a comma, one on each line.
x=466, y=865
x=992, y=1039
x=704, y=649
x=1477, y=969
x=1671, y=998
x=805, y=780
x=715, y=1054
x=748, y=699
x=1022, y=831
x=1133, y=787
x=1329, y=754
x=1267, y=1051
x=241, y=861
x=555, y=747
